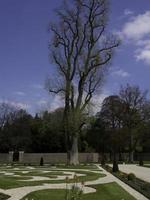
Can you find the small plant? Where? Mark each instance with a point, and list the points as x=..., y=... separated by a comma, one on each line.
x=131, y=177
x=141, y=162
x=115, y=166
x=41, y=161
x=123, y=175
x=76, y=191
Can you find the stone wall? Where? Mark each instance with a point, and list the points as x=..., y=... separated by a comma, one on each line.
x=53, y=158
x=47, y=157
x=58, y=157
x=5, y=158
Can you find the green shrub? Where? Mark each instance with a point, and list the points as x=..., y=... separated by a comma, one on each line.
x=115, y=166
x=41, y=161
x=141, y=162
x=131, y=177
x=123, y=175
x=3, y=196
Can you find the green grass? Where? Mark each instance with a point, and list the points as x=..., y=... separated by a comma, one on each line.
x=148, y=166
x=81, y=166
x=109, y=191
x=7, y=182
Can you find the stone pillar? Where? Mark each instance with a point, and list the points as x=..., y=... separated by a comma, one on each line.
x=10, y=159
x=21, y=153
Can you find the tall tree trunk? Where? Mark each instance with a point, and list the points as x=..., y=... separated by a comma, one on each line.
x=74, y=157
x=115, y=162
x=131, y=150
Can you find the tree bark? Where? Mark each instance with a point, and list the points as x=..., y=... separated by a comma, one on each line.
x=115, y=162
x=74, y=160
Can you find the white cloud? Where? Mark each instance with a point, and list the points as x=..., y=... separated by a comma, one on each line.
x=137, y=30
x=42, y=102
x=121, y=73
x=138, y=27
x=143, y=55
x=56, y=103
x=128, y=12
x=18, y=105
x=145, y=43
x=19, y=93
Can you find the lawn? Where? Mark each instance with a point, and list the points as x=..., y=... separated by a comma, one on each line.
x=10, y=181
x=109, y=191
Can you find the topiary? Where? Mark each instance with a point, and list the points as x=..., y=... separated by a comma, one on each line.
x=115, y=166
x=41, y=161
x=131, y=177
x=141, y=162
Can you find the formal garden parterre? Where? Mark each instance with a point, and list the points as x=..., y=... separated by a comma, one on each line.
x=51, y=182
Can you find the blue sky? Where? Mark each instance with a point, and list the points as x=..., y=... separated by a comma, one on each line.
x=24, y=62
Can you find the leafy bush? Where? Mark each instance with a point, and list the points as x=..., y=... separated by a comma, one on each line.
x=131, y=177
x=115, y=166
x=123, y=175
x=141, y=162
x=3, y=196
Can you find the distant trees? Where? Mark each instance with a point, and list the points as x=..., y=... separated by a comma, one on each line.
x=111, y=117
x=121, y=125
x=14, y=128
x=134, y=101
x=21, y=131
x=7, y=113
x=124, y=122
x=81, y=50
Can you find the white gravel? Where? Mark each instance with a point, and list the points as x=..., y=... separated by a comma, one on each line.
x=19, y=193
x=140, y=172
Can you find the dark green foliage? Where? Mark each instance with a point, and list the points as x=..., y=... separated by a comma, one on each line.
x=3, y=196
x=41, y=161
x=131, y=177
x=42, y=133
x=141, y=163
x=115, y=166
x=103, y=160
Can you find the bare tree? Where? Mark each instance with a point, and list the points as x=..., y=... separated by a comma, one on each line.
x=7, y=113
x=111, y=116
x=133, y=115
x=81, y=50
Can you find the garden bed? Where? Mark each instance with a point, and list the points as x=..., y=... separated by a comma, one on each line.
x=131, y=180
x=3, y=196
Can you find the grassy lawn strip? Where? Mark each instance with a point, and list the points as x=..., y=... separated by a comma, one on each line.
x=148, y=166
x=109, y=191
x=81, y=166
x=7, y=182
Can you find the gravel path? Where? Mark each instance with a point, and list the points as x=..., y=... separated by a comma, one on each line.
x=140, y=172
x=19, y=193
